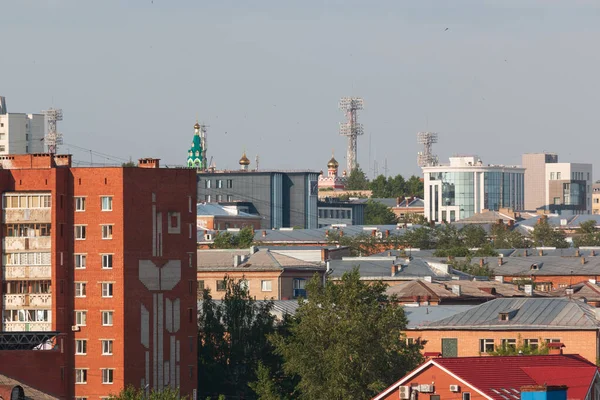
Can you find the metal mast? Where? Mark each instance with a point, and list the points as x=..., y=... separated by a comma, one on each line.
x=351, y=128
x=53, y=138
x=203, y=132
x=426, y=157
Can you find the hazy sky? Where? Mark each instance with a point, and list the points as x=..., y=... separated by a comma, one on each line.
x=507, y=77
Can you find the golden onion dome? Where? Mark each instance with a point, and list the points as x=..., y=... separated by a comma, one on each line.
x=244, y=160
x=333, y=163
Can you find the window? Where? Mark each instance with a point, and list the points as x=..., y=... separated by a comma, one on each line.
x=551, y=176
x=80, y=232
x=558, y=175
x=552, y=340
x=486, y=345
x=107, y=318
x=107, y=231
x=80, y=289
x=200, y=285
x=106, y=203
x=207, y=198
x=79, y=203
x=229, y=198
x=229, y=183
x=219, y=183
x=107, y=376
x=81, y=346
x=557, y=200
x=107, y=261
x=207, y=184
x=509, y=343
x=3, y=148
x=107, y=347
x=107, y=289
x=265, y=286
x=80, y=318
x=533, y=344
x=221, y=286
x=80, y=261
x=300, y=287
x=80, y=376
x=466, y=396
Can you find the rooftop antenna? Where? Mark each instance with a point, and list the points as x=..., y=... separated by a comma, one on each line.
x=426, y=157
x=351, y=128
x=257, y=159
x=53, y=138
x=203, y=134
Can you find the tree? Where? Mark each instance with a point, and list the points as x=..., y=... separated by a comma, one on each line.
x=227, y=240
x=545, y=235
x=470, y=268
x=132, y=393
x=380, y=187
x=232, y=339
x=503, y=237
x=129, y=164
x=379, y=214
x=397, y=186
x=346, y=341
x=587, y=235
x=415, y=187
x=419, y=238
x=473, y=236
x=357, y=180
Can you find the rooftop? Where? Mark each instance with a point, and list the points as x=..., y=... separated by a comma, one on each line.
x=261, y=260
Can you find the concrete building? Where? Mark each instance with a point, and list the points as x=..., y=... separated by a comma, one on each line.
x=335, y=212
x=282, y=198
x=219, y=217
x=20, y=133
x=557, y=187
x=102, y=260
x=466, y=187
x=596, y=198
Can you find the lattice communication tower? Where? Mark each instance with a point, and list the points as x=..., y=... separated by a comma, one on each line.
x=426, y=157
x=53, y=138
x=351, y=128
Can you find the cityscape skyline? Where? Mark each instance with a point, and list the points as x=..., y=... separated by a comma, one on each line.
x=471, y=73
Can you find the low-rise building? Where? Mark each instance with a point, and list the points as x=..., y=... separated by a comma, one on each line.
x=211, y=216
x=341, y=213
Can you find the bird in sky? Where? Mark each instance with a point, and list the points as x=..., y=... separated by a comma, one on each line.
x=446, y=29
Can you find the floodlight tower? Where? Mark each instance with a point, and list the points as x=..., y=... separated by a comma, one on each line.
x=426, y=157
x=53, y=138
x=351, y=128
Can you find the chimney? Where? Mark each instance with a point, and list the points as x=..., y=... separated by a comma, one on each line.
x=582, y=260
x=394, y=269
x=264, y=234
x=149, y=163
x=253, y=249
x=526, y=254
x=500, y=261
x=398, y=201
x=577, y=253
x=374, y=232
x=456, y=290
x=324, y=254
x=555, y=348
x=593, y=253
x=387, y=233
x=540, y=253
x=327, y=233
x=481, y=262
x=511, y=223
x=528, y=290
x=237, y=260
x=341, y=233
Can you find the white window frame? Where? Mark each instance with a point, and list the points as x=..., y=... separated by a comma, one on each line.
x=483, y=343
x=265, y=283
x=80, y=317
x=80, y=232
x=107, y=290
x=80, y=289
x=109, y=204
x=81, y=347
x=81, y=260
x=107, y=261
x=81, y=376
x=107, y=346
x=80, y=203
x=107, y=314
x=107, y=231
x=108, y=376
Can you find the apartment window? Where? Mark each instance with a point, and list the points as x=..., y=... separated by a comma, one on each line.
x=80, y=261
x=265, y=286
x=106, y=202
x=557, y=200
x=107, y=231
x=2, y=148
x=81, y=346
x=80, y=376
x=207, y=198
x=200, y=285
x=533, y=344
x=107, y=289
x=466, y=396
x=551, y=175
x=229, y=198
x=207, y=184
x=221, y=286
x=107, y=347
x=107, y=318
x=219, y=197
x=107, y=261
x=552, y=340
x=79, y=203
x=81, y=398
x=80, y=232
x=219, y=183
x=80, y=318
x=107, y=375
x=80, y=289
x=509, y=343
x=558, y=175
x=486, y=345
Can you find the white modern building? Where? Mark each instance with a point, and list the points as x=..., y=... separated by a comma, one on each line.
x=466, y=186
x=20, y=133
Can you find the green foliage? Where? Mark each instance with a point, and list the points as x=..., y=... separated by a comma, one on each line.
x=471, y=268
x=419, y=238
x=227, y=240
x=360, y=245
x=346, y=342
x=232, y=339
x=396, y=187
x=357, y=180
x=520, y=348
x=545, y=235
x=132, y=393
x=503, y=237
x=473, y=236
x=129, y=164
x=414, y=187
x=379, y=214
x=414, y=218
x=587, y=235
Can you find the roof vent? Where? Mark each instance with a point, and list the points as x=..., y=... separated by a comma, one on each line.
x=456, y=290
x=534, y=267
x=506, y=315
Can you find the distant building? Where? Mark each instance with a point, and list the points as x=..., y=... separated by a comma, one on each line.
x=466, y=187
x=281, y=198
x=596, y=198
x=555, y=186
x=20, y=133
x=335, y=212
x=218, y=217
x=195, y=153
x=332, y=180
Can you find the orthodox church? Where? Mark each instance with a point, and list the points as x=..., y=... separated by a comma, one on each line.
x=332, y=180
x=195, y=154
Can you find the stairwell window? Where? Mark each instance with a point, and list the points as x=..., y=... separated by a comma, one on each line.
x=80, y=289
x=106, y=202
x=80, y=376
x=79, y=203
x=107, y=231
x=80, y=232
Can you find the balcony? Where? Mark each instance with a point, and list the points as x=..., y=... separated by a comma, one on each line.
x=24, y=272
x=27, y=243
x=17, y=215
x=27, y=326
x=41, y=300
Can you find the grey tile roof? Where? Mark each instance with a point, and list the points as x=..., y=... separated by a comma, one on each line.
x=223, y=260
x=526, y=313
x=381, y=268
x=319, y=235
x=420, y=316
x=563, y=221
x=30, y=393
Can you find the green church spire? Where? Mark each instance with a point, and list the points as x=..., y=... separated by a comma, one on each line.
x=194, y=159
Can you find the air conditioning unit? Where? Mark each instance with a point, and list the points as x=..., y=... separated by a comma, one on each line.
x=379, y=235
x=454, y=388
x=75, y=328
x=426, y=388
x=404, y=392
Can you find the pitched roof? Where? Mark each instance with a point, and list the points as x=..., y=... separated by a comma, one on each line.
x=482, y=374
x=262, y=259
x=30, y=393
x=582, y=291
x=524, y=313
x=381, y=268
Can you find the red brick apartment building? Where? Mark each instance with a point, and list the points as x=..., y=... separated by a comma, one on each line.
x=104, y=260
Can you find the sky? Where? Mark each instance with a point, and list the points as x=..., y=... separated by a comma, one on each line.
x=495, y=78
